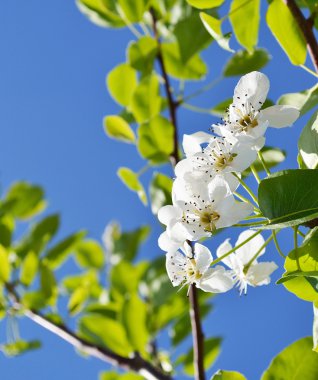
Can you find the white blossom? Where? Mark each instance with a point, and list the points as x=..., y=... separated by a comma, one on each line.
x=198, y=209
x=245, y=269
x=189, y=266
x=245, y=119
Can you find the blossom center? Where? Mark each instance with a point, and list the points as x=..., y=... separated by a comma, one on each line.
x=248, y=122
x=192, y=271
x=208, y=219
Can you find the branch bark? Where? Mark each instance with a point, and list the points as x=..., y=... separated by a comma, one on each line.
x=306, y=25
x=135, y=363
x=197, y=334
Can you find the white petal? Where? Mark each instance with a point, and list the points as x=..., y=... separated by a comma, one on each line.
x=216, y=280
x=280, y=116
x=248, y=250
x=259, y=274
x=255, y=85
x=183, y=167
x=187, y=249
x=224, y=248
x=231, y=180
x=175, y=265
x=167, y=244
x=218, y=189
x=245, y=157
x=167, y=213
x=191, y=143
x=231, y=212
x=203, y=257
x=178, y=232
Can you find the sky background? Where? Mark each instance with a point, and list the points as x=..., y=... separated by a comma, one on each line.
x=52, y=101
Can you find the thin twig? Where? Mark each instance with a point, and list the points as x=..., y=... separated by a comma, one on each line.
x=306, y=26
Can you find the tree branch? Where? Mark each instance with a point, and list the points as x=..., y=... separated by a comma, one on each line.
x=306, y=26
x=197, y=334
x=171, y=103
x=135, y=363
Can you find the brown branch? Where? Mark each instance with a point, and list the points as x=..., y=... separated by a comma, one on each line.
x=197, y=334
x=172, y=104
x=306, y=25
x=135, y=363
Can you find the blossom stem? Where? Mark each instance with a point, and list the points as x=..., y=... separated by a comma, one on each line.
x=261, y=158
x=191, y=107
x=247, y=188
x=274, y=234
x=254, y=171
x=203, y=89
x=235, y=248
x=248, y=265
x=301, y=233
x=242, y=198
x=309, y=70
x=197, y=333
x=252, y=224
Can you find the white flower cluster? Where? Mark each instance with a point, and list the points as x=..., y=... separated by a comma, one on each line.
x=203, y=199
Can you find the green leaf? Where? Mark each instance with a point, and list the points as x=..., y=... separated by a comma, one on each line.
x=134, y=320
x=23, y=200
x=121, y=83
x=124, y=245
x=117, y=128
x=205, y=4
x=213, y=26
x=35, y=300
x=101, y=12
x=286, y=31
x=272, y=157
x=304, y=100
x=227, y=375
x=243, y=62
x=77, y=300
x=88, y=280
x=5, y=268
x=301, y=269
x=297, y=362
x=289, y=198
x=133, y=9
x=117, y=376
x=19, y=347
x=308, y=143
x=194, y=69
x=41, y=233
x=90, y=254
x=160, y=191
x=106, y=332
x=6, y=230
x=29, y=268
x=131, y=180
x=245, y=17
x=142, y=53
x=156, y=140
x=211, y=352
x=48, y=284
x=146, y=101
x=191, y=35
x=58, y=254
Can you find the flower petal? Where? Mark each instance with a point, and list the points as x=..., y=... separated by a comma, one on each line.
x=175, y=265
x=191, y=143
x=167, y=213
x=167, y=244
x=231, y=212
x=224, y=248
x=216, y=280
x=203, y=257
x=280, y=116
x=255, y=85
x=218, y=188
x=259, y=274
x=248, y=250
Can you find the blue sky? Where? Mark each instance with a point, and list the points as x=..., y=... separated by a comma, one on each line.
x=53, y=98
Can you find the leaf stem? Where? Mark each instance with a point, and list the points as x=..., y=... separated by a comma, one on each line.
x=248, y=265
x=261, y=158
x=254, y=171
x=246, y=187
x=274, y=234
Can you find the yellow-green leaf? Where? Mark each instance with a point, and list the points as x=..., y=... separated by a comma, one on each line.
x=205, y=4
x=29, y=268
x=117, y=128
x=214, y=27
x=5, y=269
x=131, y=180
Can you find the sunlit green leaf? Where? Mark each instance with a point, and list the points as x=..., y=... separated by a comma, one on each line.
x=303, y=100
x=227, y=375
x=133, y=9
x=308, y=143
x=213, y=26
x=245, y=17
x=297, y=362
x=29, y=268
x=121, y=83
x=6, y=230
x=156, y=140
x=286, y=30
x=19, y=347
x=146, y=101
x=131, y=180
x=205, y=4
x=194, y=69
x=243, y=62
x=142, y=53
x=117, y=128
x=77, y=300
x=5, y=268
x=117, y=376
x=90, y=254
